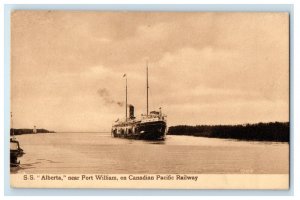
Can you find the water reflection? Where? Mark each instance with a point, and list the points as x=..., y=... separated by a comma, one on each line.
x=155, y=141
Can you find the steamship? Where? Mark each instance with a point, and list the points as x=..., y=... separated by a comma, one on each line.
x=151, y=126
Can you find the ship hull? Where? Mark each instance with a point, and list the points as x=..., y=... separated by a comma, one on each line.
x=152, y=130
x=155, y=130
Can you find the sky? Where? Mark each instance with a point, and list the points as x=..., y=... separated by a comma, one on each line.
x=67, y=67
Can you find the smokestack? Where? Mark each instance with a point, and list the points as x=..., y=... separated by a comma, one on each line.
x=131, y=111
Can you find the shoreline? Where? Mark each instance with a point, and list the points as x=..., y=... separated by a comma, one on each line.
x=23, y=131
x=272, y=131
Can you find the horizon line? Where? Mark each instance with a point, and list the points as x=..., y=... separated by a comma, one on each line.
x=108, y=131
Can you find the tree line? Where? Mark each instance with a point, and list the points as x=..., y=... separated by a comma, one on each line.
x=272, y=131
x=27, y=131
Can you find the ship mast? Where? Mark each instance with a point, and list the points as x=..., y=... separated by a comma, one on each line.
x=147, y=91
x=11, y=123
x=126, y=100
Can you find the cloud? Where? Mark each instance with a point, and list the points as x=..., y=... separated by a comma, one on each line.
x=203, y=67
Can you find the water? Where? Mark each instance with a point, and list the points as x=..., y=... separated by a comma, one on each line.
x=100, y=153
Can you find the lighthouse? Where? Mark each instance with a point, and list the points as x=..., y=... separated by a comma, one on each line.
x=34, y=129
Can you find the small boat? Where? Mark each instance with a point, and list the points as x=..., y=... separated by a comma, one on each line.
x=15, y=152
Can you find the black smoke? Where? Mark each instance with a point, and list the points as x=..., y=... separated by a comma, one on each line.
x=106, y=97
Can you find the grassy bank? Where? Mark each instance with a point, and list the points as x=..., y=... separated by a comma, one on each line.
x=28, y=131
x=273, y=131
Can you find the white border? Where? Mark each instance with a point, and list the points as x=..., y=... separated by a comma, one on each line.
x=296, y=67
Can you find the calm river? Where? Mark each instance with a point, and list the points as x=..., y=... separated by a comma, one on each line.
x=100, y=153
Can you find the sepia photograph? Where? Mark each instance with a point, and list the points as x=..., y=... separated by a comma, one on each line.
x=165, y=100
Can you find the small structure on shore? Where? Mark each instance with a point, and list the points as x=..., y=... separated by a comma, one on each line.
x=34, y=130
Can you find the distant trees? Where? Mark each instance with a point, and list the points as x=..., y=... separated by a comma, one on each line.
x=273, y=131
x=28, y=131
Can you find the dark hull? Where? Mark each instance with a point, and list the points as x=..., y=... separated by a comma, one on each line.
x=152, y=130
x=145, y=131
x=14, y=162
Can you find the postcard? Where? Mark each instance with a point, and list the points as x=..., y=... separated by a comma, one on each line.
x=165, y=100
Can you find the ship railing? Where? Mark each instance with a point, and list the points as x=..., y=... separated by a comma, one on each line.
x=160, y=116
x=124, y=123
